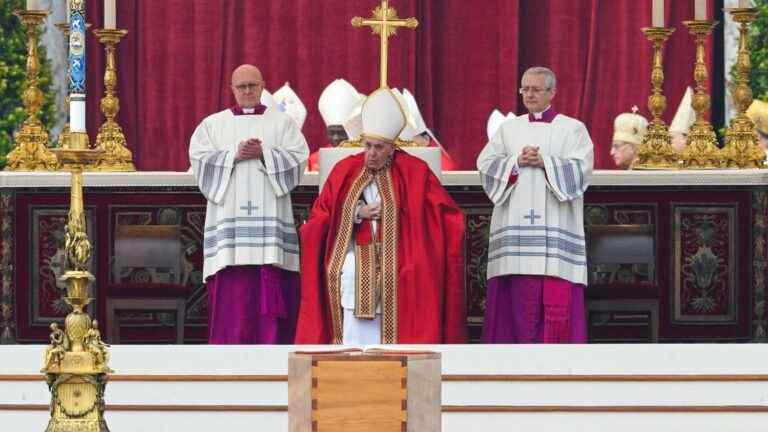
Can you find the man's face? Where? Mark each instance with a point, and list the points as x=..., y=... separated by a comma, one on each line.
x=377, y=153
x=762, y=141
x=247, y=85
x=536, y=95
x=678, y=142
x=623, y=154
x=336, y=134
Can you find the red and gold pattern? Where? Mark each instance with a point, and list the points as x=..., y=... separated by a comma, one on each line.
x=368, y=280
x=389, y=228
x=339, y=251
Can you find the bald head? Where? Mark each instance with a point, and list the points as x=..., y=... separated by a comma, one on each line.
x=247, y=85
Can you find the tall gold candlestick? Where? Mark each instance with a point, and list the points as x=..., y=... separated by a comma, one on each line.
x=701, y=150
x=741, y=150
x=656, y=150
x=76, y=361
x=116, y=156
x=31, y=152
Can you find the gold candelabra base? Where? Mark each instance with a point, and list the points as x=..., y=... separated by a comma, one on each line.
x=741, y=150
x=702, y=152
x=31, y=152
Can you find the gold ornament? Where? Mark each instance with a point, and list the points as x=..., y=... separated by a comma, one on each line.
x=31, y=152
x=656, y=151
x=741, y=149
x=116, y=156
x=701, y=150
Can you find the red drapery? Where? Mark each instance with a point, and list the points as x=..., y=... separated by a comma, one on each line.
x=463, y=60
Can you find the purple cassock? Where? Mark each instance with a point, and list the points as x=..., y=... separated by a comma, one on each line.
x=252, y=304
x=534, y=309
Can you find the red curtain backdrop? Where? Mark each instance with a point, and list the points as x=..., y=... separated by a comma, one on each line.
x=464, y=60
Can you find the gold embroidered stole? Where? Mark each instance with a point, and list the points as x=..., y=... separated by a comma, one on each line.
x=379, y=267
x=367, y=279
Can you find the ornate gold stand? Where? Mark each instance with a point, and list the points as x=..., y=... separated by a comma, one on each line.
x=76, y=361
x=31, y=151
x=741, y=150
x=116, y=156
x=701, y=150
x=656, y=150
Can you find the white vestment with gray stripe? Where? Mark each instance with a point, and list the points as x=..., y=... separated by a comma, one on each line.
x=249, y=219
x=537, y=227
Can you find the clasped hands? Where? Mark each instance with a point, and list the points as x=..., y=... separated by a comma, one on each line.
x=530, y=157
x=370, y=211
x=249, y=149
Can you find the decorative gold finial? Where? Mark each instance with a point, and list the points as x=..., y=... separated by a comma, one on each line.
x=384, y=23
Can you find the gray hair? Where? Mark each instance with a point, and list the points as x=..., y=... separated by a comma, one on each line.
x=551, y=80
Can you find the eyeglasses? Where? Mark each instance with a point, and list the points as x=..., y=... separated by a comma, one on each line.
x=242, y=88
x=532, y=90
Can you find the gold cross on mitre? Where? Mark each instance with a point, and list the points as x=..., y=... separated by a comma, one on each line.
x=384, y=23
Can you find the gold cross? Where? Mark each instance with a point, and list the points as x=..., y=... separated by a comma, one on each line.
x=384, y=23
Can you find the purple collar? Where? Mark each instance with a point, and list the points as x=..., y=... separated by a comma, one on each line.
x=546, y=117
x=257, y=110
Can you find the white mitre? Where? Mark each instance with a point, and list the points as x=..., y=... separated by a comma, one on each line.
x=268, y=100
x=288, y=102
x=419, y=125
x=353, y=125
x=410, y=129
x=630, y=127
x=336, y=102
x=685, y=115
x=383, y=116
x=495, y=120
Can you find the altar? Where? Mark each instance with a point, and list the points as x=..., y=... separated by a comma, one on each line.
x=674, y=255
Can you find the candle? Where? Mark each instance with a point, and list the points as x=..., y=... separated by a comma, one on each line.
x=110, y=14
x=700, y=10
x=658, y=13
x=67, y=10
x=33, y=5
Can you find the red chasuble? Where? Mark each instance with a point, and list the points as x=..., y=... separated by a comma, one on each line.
x=422, y=245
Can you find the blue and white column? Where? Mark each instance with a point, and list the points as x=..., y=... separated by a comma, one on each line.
x=77, y=66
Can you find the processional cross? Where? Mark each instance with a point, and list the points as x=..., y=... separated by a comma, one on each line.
x=384, y=23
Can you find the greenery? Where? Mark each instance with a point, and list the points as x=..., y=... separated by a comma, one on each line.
x=758, y=46
x=13, y=61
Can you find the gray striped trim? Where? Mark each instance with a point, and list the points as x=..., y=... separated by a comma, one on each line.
x=547, y=229
x=538, y=254
x=492, y=178
x=265, y=219
x=251, y=244
x=286, y=169
x=537, y=241
x=211, y=169
x=212, y=238
x=569, y=181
